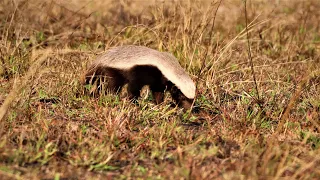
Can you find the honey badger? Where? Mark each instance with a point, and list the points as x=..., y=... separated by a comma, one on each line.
x=138, y=66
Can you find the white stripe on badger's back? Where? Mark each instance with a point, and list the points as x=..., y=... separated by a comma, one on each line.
x=126, y=57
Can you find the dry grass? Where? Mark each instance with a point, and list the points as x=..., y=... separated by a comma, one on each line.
x=52, y=130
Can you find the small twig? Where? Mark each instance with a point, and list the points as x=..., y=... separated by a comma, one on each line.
x=249, y=54
x=203, y=65
x=229, y=44
x=293, y=99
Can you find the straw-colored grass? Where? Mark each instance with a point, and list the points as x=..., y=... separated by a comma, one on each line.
x=51, y=129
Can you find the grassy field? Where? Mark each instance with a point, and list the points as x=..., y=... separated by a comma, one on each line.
x=254, y=123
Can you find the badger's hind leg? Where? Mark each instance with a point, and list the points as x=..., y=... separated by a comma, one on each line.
x=104, y=79
x=134, y=88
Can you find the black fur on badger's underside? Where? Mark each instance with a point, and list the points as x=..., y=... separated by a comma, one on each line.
x=138, y=76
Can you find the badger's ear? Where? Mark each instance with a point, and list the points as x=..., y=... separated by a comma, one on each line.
x=87, y=75
x=186, y=103
x=83, y=78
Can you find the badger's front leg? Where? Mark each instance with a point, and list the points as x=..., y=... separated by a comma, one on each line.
x=134, y=88
x=180, y=99
x=158, y=92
